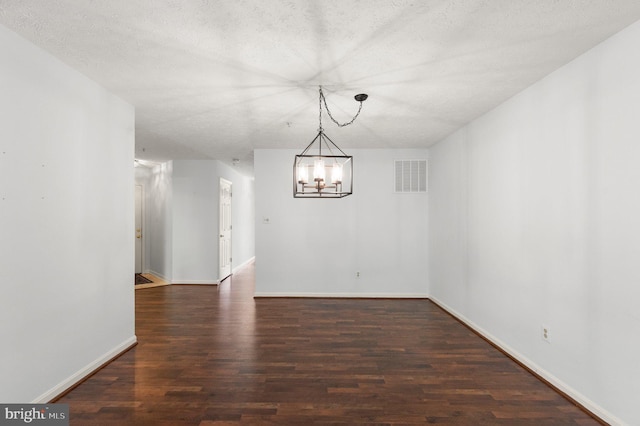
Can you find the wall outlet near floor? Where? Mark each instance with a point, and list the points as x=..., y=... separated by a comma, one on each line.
x=358, y=274
x=545, y=333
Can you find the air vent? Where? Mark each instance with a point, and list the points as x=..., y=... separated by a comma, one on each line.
x=411, y=176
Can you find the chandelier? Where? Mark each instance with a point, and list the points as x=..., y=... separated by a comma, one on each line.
x=323, y=170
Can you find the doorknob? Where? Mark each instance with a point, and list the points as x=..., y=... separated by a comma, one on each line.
x=221, y=236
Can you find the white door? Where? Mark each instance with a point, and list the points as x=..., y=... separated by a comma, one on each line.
x=138, y=234
x=225, y=229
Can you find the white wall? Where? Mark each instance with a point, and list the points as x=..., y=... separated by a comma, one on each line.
x=534, y=220
x=313, y=247
x=195, y=222
x=159, y=221
x=66, y=221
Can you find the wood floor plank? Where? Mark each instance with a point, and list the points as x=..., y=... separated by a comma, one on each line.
x=211, y=355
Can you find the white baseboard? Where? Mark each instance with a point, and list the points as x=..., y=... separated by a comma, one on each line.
x=178, y=281
x=198, y=282
x=346, y=295
x=85, y=372
x=210, y=282
x=594, y=408
x=242, y=265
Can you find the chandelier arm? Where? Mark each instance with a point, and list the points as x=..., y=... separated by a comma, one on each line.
x=312, y=142
x=333, y=143
x=321, y=95
x=324, y=100
x=323, y=141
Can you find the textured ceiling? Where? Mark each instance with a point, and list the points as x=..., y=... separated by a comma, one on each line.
x=216, y=79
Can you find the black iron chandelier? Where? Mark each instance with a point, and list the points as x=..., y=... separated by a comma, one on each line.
x=323, y=170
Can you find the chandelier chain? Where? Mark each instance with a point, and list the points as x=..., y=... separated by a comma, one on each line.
x=323, y=99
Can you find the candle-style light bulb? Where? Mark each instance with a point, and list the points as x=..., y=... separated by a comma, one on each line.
x=318, y=170
x=303, y=173
x=336, y=173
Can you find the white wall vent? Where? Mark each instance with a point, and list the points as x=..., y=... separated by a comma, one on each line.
x=411, y=176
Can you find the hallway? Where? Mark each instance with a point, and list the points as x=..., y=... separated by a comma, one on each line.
x=213, y=355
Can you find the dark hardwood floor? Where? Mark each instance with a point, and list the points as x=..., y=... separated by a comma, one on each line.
x=214, y=355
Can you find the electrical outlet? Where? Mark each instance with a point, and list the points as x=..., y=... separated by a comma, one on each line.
x=545, y=333
x=358, y=274
x=266, y=221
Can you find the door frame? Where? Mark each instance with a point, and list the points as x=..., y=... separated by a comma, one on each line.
x=222, y=274
x=142, y=231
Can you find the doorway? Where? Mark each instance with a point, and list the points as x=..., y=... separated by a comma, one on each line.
x=225, y=229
